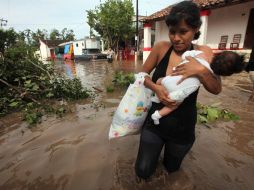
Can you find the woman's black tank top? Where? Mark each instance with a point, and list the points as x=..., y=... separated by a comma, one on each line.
x=179, y=125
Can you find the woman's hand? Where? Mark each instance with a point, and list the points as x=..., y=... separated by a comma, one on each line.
x=162, y=94
x=190, y=69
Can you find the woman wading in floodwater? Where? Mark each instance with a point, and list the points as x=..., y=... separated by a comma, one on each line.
x=176, y=131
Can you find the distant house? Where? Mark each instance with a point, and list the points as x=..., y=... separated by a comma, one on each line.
x=77, y=47
x=49, y=49
x=87, y=43
x=227, y=25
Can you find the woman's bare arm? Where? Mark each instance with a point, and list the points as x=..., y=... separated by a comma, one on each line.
x=148, y=66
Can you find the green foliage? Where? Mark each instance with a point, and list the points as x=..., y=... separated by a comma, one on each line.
x=7, y=39
x=32, y=113
x=10, y=37
x=25, y=80
x=54, y=34
x=67, y=89
x=123, y=80
x=38, y=35
x=67, y=34
x=207, y=114
x=113, y=21
x=110, y=89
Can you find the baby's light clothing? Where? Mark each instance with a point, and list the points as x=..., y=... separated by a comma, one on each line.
x=179, y=92
x=156, y=116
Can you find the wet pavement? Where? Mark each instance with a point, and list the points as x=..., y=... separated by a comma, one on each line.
x=74, y=152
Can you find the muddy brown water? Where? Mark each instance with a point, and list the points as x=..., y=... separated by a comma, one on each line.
x=74, y=153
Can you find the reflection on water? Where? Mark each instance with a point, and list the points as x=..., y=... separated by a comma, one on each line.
x=70, y=69
x=97, y=73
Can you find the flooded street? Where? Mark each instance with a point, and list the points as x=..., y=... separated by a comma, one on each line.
x=74, y=153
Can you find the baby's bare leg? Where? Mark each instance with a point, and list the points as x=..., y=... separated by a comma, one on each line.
x=166, y=110
x=159, y=114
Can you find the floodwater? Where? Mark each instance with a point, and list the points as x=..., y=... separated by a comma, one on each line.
x=74, y=153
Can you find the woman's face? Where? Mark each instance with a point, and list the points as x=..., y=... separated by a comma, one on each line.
x=181, y=36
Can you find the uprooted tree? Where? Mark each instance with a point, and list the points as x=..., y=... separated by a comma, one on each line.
x=112, y=20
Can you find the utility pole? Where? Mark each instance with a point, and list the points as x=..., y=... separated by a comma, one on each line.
x=3, y=22
x=136, y=37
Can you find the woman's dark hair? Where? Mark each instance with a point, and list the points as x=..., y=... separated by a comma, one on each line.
x=187, y=11
x=227, y=63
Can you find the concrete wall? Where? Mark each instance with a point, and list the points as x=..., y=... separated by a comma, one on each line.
x=161, y=31
x=228, y=21
x=44, y=51
x=92, y=43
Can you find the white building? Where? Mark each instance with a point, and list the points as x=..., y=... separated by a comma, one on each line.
x=44, y=50
x=78, y=46
x=47, y=49
x=227, y=25
x=87, y=43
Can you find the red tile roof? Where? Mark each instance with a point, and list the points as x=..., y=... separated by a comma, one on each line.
x=53, y=43
x=203, y=4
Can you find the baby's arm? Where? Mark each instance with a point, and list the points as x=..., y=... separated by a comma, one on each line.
x=155, y=98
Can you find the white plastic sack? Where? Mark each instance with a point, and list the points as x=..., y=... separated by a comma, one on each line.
x=132, y=110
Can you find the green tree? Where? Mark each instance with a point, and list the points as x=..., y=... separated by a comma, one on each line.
x=39, y=34
x=28, y=36
x=67, y=34
x=8, y=37
x=21, y=36
x=113, y=21
x=54, y=35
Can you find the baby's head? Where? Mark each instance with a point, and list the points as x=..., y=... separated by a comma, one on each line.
x=227, y=63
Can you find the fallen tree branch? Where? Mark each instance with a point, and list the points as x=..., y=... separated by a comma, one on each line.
x=22, y=94
x=40, y=68
x=97, y=89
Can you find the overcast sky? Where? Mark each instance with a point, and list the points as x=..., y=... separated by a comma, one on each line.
x=59, y=14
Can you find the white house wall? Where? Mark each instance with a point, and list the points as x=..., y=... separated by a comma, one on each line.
x=78, y=46
x=91, y=43
x=228, y=21
x=161, y=31
x=44, y=51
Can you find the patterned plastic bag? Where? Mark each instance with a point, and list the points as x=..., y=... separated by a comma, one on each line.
x=132, y=110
